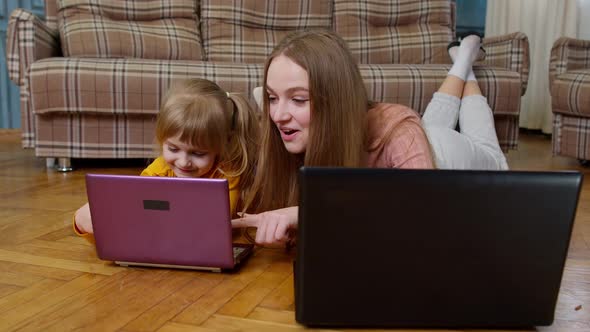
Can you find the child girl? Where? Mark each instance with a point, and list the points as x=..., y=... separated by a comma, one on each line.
x=204, y=132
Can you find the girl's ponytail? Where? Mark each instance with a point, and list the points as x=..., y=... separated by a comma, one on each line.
x=241, y=155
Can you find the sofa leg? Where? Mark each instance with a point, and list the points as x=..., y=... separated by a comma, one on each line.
x=584, y=162
x=64, y=164
x=50, y=163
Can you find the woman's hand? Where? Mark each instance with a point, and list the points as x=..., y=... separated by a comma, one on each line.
x=272, y=226
x=83, y=219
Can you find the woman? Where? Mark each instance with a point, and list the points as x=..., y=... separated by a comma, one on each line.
x=317, y=113
x=202, y=131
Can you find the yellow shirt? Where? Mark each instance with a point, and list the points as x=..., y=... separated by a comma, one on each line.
x=159, y=167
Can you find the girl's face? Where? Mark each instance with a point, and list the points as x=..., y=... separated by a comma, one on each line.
x=186, y=160
x=287, y=85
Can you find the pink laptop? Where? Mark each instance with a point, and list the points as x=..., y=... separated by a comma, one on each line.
x=163, y=222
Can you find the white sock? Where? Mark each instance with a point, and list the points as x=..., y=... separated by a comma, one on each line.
x=453, y=53
x=464, y=57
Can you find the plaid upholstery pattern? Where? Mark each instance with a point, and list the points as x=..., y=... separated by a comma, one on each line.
x=571, y=136
x=569, y=76
x=511, y=52
x=27, y=119
x=568, y=54
x=570, y=93
x=414, y=85
x=569, y=79
x=105, y=108
x=28, y=39
x=51, y=14
x=77, y=135
x=402, y=31
x=248, y=33
x=149, y=29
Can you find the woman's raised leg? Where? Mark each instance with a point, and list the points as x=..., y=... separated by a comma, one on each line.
x=459, y=98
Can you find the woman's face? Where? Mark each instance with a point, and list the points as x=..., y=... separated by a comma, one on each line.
x=287, y=85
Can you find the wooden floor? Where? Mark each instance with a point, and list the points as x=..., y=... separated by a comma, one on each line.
x=52, y=280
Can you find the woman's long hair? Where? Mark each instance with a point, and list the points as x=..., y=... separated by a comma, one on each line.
x=338, y=102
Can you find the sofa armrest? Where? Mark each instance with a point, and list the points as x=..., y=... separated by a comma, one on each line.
x=28, y=39
x=568, y=54
x=509, y=51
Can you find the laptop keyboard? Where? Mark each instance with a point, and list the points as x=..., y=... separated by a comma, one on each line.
x=238, y=251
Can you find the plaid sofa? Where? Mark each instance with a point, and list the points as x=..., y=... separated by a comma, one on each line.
x=92, y=74
x=569, y=79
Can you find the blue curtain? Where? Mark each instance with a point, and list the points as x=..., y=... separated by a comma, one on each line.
x=471, y=15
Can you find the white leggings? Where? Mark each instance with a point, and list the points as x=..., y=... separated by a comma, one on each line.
x=475, y=146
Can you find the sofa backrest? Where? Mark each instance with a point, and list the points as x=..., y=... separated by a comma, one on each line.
x=248, y=33
x=396, y=31
x=377, y=31
x=147, y=29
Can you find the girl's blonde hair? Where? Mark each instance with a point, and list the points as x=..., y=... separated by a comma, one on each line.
x=205, y=116
x=338, y=102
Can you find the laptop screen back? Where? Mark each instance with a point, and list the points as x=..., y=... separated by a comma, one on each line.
x=417, y=248
x=161, y=220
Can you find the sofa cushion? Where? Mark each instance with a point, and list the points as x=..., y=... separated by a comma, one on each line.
x=403, y=31
x=248, y=33
x=149, y=29
x=68, y=88
x=570, y=93
x=125, y=86
x=571, y=136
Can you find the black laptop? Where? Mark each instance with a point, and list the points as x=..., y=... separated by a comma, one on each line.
x=431, y=248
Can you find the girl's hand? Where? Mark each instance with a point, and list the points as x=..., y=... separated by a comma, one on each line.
x=272, y=226
x=83, y=219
